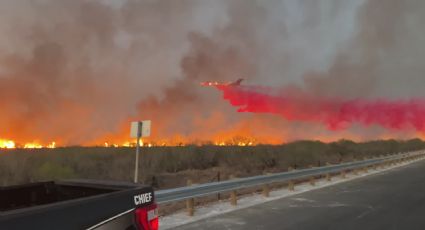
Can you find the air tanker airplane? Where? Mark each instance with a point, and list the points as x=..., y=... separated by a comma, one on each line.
x=214, y=83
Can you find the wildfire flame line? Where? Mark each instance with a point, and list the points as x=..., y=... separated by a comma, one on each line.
x=10, y=144
x=7, y=144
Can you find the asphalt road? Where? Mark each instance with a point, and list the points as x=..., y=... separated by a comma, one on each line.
x=394, y=199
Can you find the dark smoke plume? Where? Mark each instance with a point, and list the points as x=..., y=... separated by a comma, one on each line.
x=77, y=72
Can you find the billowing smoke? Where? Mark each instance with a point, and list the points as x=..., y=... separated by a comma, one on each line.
x=77, y=71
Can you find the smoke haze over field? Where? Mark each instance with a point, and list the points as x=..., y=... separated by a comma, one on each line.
x=77, y=71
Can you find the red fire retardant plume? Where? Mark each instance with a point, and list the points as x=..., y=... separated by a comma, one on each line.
x=335, y=113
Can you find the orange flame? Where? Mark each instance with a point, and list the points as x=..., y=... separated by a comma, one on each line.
x=7, y=144
x=10, y=144
x=32, y=146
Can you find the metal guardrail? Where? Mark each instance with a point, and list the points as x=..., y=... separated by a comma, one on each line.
x=190, y=192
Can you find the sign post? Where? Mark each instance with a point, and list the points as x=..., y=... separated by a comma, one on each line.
x=138, y=130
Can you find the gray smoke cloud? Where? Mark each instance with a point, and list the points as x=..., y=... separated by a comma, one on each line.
x=77, y=71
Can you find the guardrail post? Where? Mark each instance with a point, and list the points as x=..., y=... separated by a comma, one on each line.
x=266, y=190
x=312, y=179
x=233, y=198
x=291, y=186
x=190, y=203
x=384, y=165
x=343, y=176
x=328, y=175
x=233, y=194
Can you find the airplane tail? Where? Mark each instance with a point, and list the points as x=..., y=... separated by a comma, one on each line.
x=236, y=83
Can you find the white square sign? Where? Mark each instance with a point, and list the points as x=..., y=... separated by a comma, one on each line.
x=144, y=127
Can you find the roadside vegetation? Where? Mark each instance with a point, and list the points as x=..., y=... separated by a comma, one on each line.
x=167, y=167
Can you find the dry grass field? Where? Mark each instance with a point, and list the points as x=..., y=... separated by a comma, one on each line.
x=167, y=167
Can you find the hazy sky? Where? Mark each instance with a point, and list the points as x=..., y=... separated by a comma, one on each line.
x=79, y=69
